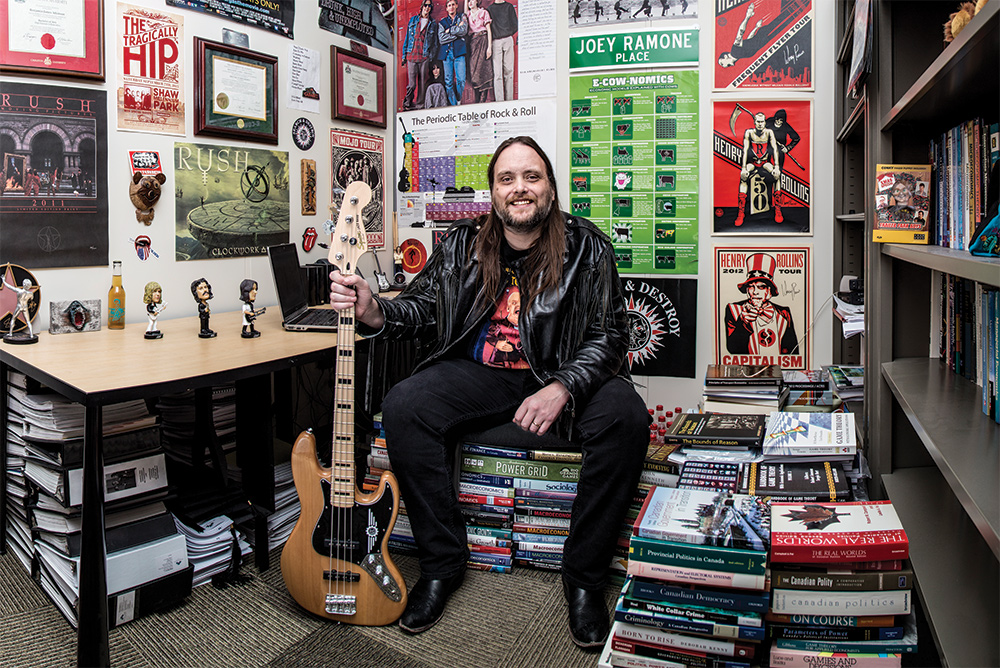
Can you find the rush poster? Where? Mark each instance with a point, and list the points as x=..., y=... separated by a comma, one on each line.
x=662, y=317
x=762, y=167
x=763, y=44
x=762, y=306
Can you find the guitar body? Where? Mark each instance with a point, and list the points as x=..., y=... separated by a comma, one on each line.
x=360, y=567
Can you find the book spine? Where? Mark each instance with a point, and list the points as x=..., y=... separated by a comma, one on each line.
x=552, y=471
x=696, y=576
x=492, y=559
x=484, y=490
x=731, y=600
x=522, y=527
x=692, y=613
x=491, y=568
x=834, y=634
x=832, y=620
x=490, y=549
x=863, y=581
x=485, y=479
x=542, y=494
x=504, y=534
x=705, y=441
x=563, y=505
x=880, y=646
x=790, y=548
x=483, y=499
x=698, y=556
x=522, y=537
x=795, y=602
x=544, y=485
x=555, y=456
x=150, y=597
x=123, y=479
x=532, y=555
x=688, y=626
x=540, y=520
x=673, y=657
x=493, y=451
x=540, y=546
x=793, y=658
x=666, y=638
x=487, y=541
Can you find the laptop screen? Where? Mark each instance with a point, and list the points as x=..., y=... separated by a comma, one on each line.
x=287, y=279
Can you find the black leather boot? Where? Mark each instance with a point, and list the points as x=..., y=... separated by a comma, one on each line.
x=589, y=620
x=425, y=604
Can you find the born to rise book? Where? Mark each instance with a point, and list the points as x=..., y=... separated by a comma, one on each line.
x=836, y=532
x=902, y=204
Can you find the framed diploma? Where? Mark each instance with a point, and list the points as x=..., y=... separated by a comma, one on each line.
x=358, y=84
x=235, y=92
x=59, y=37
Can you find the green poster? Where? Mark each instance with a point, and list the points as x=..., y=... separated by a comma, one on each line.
x=634, y=166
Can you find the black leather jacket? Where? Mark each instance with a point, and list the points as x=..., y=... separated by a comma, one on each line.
x=577, y=334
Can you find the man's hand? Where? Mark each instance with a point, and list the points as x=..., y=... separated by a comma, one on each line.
x=540, y=411
x=348, y=290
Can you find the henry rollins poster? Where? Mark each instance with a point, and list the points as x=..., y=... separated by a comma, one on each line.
x=762, y=306
x=661, y=318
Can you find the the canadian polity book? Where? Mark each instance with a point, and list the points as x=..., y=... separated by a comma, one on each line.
x=836, y=532
x=902, y=204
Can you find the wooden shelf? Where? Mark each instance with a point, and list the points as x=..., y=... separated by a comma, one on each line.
x=959, y=81
x=946, y=412
x=948, y=260
x=957, y=575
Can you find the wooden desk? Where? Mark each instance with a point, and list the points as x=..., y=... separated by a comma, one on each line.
x=106, y=367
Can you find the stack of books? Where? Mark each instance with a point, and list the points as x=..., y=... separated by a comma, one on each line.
x=18, y=526
x=847, y=381
x=377, y=460
x=743, y=388
x=540, y=486
x=214, y=546
x=183, y=448
x=809, y=390
x=852, y=316
x=841, y=583
x=696, y=590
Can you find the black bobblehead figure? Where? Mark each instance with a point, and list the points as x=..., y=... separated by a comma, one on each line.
x=202, y=292
x=526, y=321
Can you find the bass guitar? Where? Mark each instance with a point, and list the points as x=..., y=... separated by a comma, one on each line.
x=336, y=562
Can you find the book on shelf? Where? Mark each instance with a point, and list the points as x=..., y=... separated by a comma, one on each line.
x=698, y=576
x=684, y=625
x=123, y=479
x=805, y=434
x=534, y=470
x=826, y=602
x=836, y=532
x=818, y=578
x=795, y=481
x=832, y=620
x=905, y=645
x=797, y=658
x=902, y=203
x=708, y=517
x=633, y=654
x=743, y=375
x=747, y=600
x=693, y=612
x=672, y=639
x=717, y=430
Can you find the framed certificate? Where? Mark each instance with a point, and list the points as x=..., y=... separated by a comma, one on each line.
x=235, y=92
x=59, y=37
x=358, y=84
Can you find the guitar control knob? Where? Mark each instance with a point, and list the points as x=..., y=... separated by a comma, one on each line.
x=378, y=569
x=385, y=580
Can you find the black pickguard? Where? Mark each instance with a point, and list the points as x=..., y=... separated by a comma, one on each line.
x=365, y=530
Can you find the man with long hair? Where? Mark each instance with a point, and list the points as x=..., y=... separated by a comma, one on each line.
x=566, y=374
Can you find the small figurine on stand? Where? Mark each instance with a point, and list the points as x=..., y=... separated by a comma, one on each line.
x=24, y=298
x=248, y=295
x=398, y=277
x=153, y=299
x=202, y=292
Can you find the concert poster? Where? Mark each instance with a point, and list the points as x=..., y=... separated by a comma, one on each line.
x=594, y=13
x=364, y=21
x=761, y=195
x=53, y=184
x=150, y=70
x=662, y=319
x=762, y=306
x=276, y=16
x=231, y=201
x=358, y=156
x=764, y=44
x=634, y=165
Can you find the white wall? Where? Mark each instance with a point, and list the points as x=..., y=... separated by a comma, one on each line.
x=225, y=275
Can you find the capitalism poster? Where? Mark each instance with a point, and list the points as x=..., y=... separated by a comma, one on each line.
x=150, y=70
x=634, y=165
x=231, y=201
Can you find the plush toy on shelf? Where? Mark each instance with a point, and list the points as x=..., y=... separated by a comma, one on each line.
x=958, y=20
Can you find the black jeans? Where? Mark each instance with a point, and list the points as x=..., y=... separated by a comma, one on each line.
x=423, y=414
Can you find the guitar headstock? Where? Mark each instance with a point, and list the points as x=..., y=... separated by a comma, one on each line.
x=348, y=240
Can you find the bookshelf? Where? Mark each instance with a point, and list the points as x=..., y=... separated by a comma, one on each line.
x=932, y=450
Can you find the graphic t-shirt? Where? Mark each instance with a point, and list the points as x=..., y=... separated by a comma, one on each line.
x=498, y=343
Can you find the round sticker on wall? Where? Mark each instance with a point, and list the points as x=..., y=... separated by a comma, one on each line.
x=303, y=134
x=414, y=255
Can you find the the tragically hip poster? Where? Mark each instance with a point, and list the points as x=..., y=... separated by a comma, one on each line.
x=762, y=306
x=231, y=201
x=662, y=319
x=53, y=183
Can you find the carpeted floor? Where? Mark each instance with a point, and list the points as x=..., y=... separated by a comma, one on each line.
x=494, y=621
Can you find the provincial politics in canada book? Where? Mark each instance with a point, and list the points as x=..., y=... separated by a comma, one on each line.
x=836, y=532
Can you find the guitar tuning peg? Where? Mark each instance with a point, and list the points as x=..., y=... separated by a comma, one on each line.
x=354, y=201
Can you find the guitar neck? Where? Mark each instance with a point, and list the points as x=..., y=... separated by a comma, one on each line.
x=342, y=464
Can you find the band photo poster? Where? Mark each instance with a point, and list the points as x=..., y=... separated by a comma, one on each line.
x=442, y=156
x=357, y=156
x=634, y=165
x=762, y=306
x=662, y=322
x=367, y=22
x=763, y=44
x=762, y=167
x=150, y=70
x=451, y=54
x=53, y=183
x=592, y=13
x=231, y=201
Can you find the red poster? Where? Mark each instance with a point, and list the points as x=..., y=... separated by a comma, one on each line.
x=764, y=44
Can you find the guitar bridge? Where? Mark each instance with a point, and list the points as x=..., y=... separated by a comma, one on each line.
x=341, y=604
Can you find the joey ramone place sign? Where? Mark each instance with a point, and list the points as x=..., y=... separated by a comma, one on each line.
x=631, y=49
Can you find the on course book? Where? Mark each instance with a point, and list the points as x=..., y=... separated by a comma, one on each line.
x=836, y=532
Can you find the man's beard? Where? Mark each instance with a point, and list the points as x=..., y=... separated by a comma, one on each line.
x=542, y=212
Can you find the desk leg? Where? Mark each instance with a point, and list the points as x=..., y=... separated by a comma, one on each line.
x=255, y=455
x=3, y=457
x=92, y=647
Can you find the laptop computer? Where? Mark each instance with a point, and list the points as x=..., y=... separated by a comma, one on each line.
x=296, y=314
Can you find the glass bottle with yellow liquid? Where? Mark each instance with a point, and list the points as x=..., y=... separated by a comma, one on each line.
x=116, y=298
